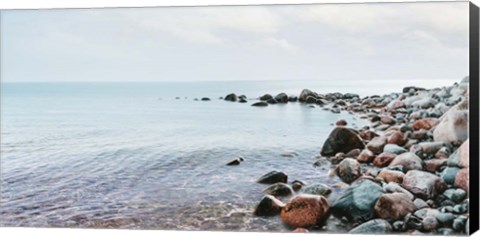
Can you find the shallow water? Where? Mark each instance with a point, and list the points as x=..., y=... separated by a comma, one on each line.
x=130, y=155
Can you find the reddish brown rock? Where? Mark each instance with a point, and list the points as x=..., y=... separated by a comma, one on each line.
x=408, y=161
x=434, y=165
x=341, y=122
x=462, y=180
x=384, y=159
x=423, y=184
x=391, y=176
x=394, y=206
x=426, y=123
x=368, y=135
x=366, y=156
x=385, y=119
x=268, y=206
x=305, y=211
x=397, y=138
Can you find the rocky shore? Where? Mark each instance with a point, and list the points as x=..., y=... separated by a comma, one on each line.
x=408, y=172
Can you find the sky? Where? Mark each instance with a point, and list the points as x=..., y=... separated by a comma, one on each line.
x=289, y=42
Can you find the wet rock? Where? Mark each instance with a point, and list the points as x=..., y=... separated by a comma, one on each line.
x=453, y=125
x=393, y=206
x=423, y=184
x=272, y=101
x=384, y=159
x=231, y=97
x=408, y=161
x=317, y=189
x=358, y=201
x=304, y=211
x=278, y=189
x=268, y=206
x=394, y=149
x=459, y=224
x=426, y=123
x=311, y=100
x=434, y=165
x=397, y=138
x=376, y=144
x=462, y=180
x=376, y=226
x=348, y=170
x=366, y=156
x=242, y=100
x=391, y=176
x=266, y=97
x=260, y=104
x=341, y=139
x=282, y=98
x=205, y=99
x=297, y=185
x=273, y=177
x=306, y=93
x=449, y=174
x=341, y=122
x=235, y=161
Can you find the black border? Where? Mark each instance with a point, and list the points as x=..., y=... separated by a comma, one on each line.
x=474, y=131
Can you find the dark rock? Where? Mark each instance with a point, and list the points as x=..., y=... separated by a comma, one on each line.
x=242, y=100
x=272, y=101
x=348, y=170
x=282, y=98
x=318, y=189
x=260, y=104
x=278, y=189
x=265, y=97
x=273, y=177
x=234, y=162
x=341, y=122
x=205, y=99
x=341, y=139
x=269, y=206
x=376, y=226
x=366, y=156
x=304, y=211
x=231, y=97
x=292, y=98
x=304, y=94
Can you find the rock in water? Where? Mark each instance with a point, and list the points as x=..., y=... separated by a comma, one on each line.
x=304, y=211
x=317, y=189
x=358, y=201
x=265, y=97
x=231, y=97
x=268, y=206
x=423, y=184
x=278, y=189
x=273, y=177
x=234, y=162
x=394, y=206
x=341, y=139
x=205, y=99
x=282, y=98
x=366, y=156
x=408, y=160
x=376, y=144
x=376, y=226
x=348, y=170
x=304, y=94
x=260, y=104
x=453, y=125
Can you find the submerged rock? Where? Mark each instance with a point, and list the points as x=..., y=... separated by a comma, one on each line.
x=304, y=211
x=231, y=97
x=376, y=144
x=279, y=189
x=341, y=139
x=273, y=177
x=268, y=206
x=205, y=99
x=260, y=104
x=265, y=97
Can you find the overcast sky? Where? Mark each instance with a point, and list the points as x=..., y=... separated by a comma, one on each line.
x=302, y=42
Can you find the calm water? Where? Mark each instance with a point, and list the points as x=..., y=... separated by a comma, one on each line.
x=130, y=155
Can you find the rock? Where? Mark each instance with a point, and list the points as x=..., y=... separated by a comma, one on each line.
x=391, y=176
x=304, y=94
x=420, y=135
x=341, y=139
x=368, y=135
x=408, y=161
x=397, y=138
x=385, y=119
x=423, y=184
x=304, y=211
x=260, y=104
x=393, y=206
x=278, y=189
x=300, y=230
x=366, y=156
x=420, y=204
x=358, y=201
x=461, y=157
x=444, y=152
x=396, y=104
x=384, y=159
x=424, y=103
x=234, y=162
x=348, y=170
x=376, y=226
x=458, y=195
x=434, y=165
x=311, y=100
x=376, y=144
x=394, y=149
x=268, y=206
x=462, y=180
x=396, y=188
x=426, y=123
x=292, y=98
x=453, y=125
x=399, y=226
x=429, y=223
x=242, y=100
x=231, y=97
x=341, y=122
x=289, y=154
x=318, y=189
x=353, y=153
x=409, y=89
x=297, y=185
x=273, y=177
x=282, y=98
x=205, y=99
x=272, y=101
x=445, y=219
x=265, y=97
x=449, y=174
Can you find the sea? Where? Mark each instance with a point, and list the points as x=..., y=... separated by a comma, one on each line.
x=147, y=155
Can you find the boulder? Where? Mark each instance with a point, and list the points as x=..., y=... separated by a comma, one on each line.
x=408, y=161
x=358, y=201
x=348, y=170
x=311, y=100
x=205, y=99
x=292, y=98
x=376, y=226
x=394, y=206
x=384, y=159
x=391, y=176
x=273, y=177
x=341, y=139
x=282, y=98
x=453, y=126
x=462, y=180
x=376, y=144
x=353, y=153
x=366, y=156
x=279, y=189
x=268, y=206
x=265, y=97
x=423, y=184
x=260, y=104
x=317, y=189
x=304, y=211
x=231, y=97
x=304, y=94
x=272, y=101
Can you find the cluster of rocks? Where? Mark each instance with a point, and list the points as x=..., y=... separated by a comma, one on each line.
x=406, y=173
